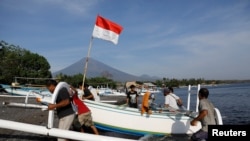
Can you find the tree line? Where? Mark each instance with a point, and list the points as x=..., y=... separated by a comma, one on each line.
x=19, y=62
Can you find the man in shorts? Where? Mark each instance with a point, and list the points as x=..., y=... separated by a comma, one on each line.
x=83, y=113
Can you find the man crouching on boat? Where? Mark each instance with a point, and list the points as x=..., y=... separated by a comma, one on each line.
x=63, y=106
x=170, y=101
x=84, y=115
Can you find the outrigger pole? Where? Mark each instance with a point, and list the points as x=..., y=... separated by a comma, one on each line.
x=55, y=132
x=86, y=63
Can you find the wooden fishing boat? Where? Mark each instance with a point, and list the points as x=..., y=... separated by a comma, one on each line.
x=130, y=121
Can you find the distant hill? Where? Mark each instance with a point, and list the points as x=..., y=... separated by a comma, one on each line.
x=97, y=69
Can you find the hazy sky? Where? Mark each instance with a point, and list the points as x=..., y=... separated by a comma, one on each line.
x=207, y=39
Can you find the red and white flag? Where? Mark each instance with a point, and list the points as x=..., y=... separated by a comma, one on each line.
x=106, y=30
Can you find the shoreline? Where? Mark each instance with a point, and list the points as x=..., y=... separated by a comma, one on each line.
x=39, y=117
x=25, y=115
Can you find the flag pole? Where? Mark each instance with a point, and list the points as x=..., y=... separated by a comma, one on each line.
x=86, y=64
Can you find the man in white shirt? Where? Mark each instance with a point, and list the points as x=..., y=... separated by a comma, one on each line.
x=170, y=101
x=177, y=98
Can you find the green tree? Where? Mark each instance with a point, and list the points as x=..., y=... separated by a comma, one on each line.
x=18, y=62
x=95, y=81
x=102, y=82
x=72, y=80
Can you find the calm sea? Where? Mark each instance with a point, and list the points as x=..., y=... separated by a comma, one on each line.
x=233, y=101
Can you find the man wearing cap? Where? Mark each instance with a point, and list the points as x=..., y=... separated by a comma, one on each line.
x=170, y=101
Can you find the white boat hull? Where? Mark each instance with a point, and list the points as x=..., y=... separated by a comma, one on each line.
x=19, y=92
x=130, y=121
x=26, y=91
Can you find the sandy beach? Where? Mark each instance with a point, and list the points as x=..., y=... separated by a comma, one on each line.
x=25, y=115
x=35, y=116
x=39, y=117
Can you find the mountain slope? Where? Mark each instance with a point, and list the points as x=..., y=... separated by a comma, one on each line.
x=97, y=69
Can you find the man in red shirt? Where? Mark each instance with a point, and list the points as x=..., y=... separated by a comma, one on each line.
x=83, y=112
